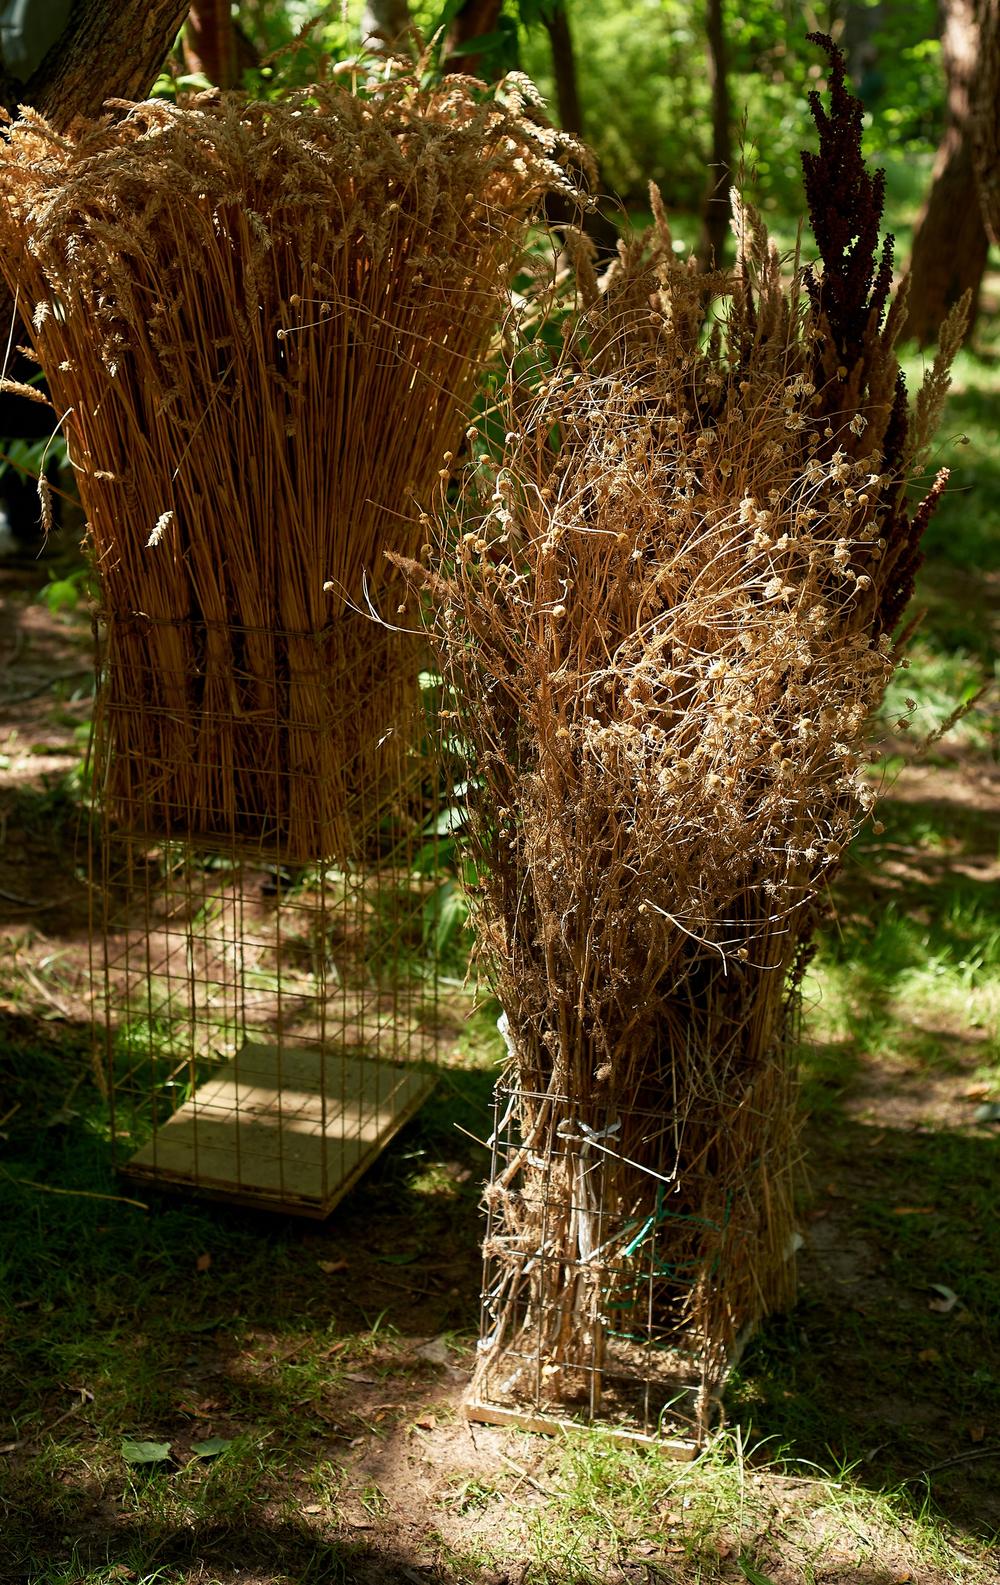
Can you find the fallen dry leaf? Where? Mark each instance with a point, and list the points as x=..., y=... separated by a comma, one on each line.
x=203, y=1262
x=947, y=1300
x=331, y=1267
x=913, y=1210
x=928, y=1356
x=435, y=1351
x=976, y=1433
x=427, y=1422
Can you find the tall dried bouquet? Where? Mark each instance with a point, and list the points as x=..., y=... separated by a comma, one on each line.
x=667, y=615
x=261, y=325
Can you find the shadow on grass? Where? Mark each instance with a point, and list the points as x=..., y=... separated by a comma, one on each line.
x=115, y=1552
x=947, y=826
x=290, y=1339
x=890, y=1361
x=189, y=1320
x=43, y=857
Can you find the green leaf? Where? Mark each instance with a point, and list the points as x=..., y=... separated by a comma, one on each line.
x=753, y=1574
x=449, y=10
x=449, y=820
x=480, y=45
x=61, y=595
x=212, y=1448
x=145, y=1452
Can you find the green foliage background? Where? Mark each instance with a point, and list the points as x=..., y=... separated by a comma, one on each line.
x=644, y=84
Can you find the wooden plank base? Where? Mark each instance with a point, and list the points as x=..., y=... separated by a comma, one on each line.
x=555, y=1425
x=283, y=1129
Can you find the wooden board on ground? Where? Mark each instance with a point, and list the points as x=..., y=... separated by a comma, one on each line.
x=554, y=1425
x=283, y=1129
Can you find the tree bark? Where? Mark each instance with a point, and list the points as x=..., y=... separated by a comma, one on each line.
x=556, y=24
x=950, y=242
x=715, y=205
x=986, y=119
x=860, y=44
x=210, y=42
x=559, y=212
x=110, y=49
x=475, y=18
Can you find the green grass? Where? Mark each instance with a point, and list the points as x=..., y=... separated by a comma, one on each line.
x=903, y=1019
x=115, y=1327
x=930, y=961
x=965, y=531
x=113, y=1332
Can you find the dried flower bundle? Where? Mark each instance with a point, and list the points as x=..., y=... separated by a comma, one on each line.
x=261, y=324
x=666, y=620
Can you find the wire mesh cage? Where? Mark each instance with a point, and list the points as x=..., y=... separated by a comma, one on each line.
x=264, y=876
x=626, y=1258
x=296, y=742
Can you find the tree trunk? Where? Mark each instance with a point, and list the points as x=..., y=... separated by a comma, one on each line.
x=559, y=211
x=715, y=206
x=109, y=49
x=986, y=119
x=210, y=42
x=475, y=18
x=950, y=242
x=385, y=23
x=556, y=24
x=860, y=44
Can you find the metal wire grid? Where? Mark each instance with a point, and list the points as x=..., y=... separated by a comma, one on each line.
x=268, y=1013
x=293, y=743
x=585, y=1305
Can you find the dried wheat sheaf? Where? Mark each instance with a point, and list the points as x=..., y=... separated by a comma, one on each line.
x=261, y=325
x=667, y=610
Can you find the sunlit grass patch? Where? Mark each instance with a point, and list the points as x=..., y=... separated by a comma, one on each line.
x=742, y=1510
x=887, y=982
x=939, y=680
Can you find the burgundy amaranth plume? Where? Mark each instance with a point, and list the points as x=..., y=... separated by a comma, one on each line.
x=855, y=368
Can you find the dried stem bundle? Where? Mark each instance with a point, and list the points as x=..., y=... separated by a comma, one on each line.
x=666, y=618
x=262, y=323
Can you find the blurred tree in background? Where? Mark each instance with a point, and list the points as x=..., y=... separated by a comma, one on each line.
x=950, y=242
x=986, y=119
x=660, y=88
x=636, y=74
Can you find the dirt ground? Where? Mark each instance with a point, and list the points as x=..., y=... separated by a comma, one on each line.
x=446, y=1489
